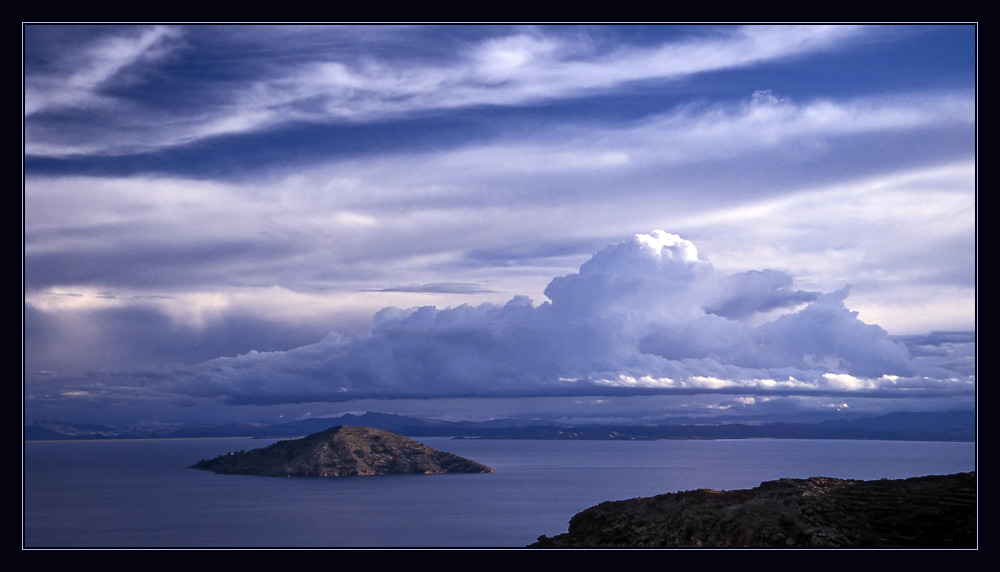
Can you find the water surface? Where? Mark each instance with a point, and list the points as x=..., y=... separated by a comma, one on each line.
x=140, y=493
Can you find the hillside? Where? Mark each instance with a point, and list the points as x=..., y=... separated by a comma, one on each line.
x=819, y=512
x=342, y=451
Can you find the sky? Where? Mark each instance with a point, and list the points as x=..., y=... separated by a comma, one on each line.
x=572, y=222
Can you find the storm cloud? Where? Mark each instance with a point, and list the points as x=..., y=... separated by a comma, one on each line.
x=436, y=219
x=649, y=314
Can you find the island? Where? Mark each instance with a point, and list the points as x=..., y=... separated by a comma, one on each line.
x=937, y=511
x=339, y=452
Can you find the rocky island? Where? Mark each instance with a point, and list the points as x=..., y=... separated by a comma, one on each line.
x=339, y=452
x=923, y=512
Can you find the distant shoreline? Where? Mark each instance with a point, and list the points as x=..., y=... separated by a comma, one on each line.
x=957, y=426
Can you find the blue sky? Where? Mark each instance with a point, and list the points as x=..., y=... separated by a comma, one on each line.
x=578, y=222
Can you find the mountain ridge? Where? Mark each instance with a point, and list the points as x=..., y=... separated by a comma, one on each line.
x=907, y=426
x=935, y=511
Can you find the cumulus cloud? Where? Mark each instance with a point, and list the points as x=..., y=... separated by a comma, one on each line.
x=649, y=314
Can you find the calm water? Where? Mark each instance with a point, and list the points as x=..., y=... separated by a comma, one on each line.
x=140, y=493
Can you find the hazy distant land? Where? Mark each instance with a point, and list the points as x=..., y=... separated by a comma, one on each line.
x=903, y=426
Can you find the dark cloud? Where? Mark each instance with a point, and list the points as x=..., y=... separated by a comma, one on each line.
x=951, y=353
x=937, y=339
x=826, y=334
x=145, y=262
x=758, y=291
x=244, y=190
x=645, y=315
x=113, y=341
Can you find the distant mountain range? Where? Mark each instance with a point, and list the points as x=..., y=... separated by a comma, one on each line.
x=903, y=426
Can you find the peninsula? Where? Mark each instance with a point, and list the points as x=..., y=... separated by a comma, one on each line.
x=339, y=452
x=937, y=511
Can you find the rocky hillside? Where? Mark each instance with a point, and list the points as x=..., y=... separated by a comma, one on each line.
x=342, y=451
x=925, y=512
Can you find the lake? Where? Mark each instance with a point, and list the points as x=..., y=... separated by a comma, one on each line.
x=140, y=493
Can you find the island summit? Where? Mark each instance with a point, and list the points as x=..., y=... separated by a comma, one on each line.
x=342, y=451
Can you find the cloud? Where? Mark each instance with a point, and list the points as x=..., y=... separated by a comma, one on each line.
x=522, y=67
x=80, y=78
x=337, y=82
x=449, y=220
x=202, y=191
x=649, y=314
x=439, y=288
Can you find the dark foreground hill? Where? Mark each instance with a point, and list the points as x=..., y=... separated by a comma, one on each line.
x=342, y=451
x=819, y=512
